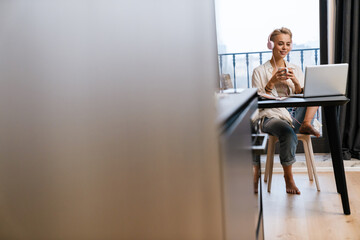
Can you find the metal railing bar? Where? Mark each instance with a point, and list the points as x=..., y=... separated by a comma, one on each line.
x=234, y=65
x=245, y=77
x=221, y=64
x=247, y=70
x=293, y=50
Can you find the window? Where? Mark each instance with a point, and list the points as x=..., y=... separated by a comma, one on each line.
x=243, y=30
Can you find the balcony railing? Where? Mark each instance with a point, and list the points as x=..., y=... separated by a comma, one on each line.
x=241, y=65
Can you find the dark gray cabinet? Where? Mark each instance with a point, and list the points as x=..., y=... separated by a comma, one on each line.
x=242, y=207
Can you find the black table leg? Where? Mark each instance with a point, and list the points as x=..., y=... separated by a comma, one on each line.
x=336, y=155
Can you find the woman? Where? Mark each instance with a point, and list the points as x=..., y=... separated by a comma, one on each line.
x=280, y=78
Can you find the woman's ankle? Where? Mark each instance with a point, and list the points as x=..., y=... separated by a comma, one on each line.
x=306, y=122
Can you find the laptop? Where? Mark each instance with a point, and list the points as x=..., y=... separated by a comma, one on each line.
x=325, y=80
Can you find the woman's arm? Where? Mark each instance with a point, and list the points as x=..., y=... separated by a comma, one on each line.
x=278, y=77
x=257, y=81
x=263, y=85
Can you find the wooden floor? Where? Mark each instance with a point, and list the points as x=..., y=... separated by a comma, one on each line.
x=311, y=215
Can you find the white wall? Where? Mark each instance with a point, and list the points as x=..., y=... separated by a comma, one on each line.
x=107, y=120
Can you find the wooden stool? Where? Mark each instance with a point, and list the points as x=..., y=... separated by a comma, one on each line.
x=309, y=156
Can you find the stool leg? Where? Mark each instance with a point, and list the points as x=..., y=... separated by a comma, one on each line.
x=313, y=164
x=266, y=174
x=269, y=157
x=270, y=173
x=308, y=159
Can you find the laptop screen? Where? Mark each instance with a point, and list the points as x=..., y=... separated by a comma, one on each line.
x=325, y=80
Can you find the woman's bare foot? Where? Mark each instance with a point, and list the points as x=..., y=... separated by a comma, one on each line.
x=289, y=180
x=290, y=185
x=307, y=128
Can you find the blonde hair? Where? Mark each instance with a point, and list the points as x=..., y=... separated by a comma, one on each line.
x=279, y=31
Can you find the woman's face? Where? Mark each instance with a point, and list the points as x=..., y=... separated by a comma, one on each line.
x=282, y=44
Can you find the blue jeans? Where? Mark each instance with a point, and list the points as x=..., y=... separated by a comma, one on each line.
x=285, y=133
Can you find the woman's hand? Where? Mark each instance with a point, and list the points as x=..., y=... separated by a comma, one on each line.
x=279, y=76
x=290, y=74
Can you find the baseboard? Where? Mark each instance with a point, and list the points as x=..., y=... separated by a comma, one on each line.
x=318, y=169
x=323, y=163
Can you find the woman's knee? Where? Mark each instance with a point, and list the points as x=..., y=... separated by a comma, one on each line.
x=288, y=135
x=290, y=142
x=281, y=129
x=276, y=127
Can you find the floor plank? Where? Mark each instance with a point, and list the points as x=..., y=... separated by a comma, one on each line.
x=311, y=215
